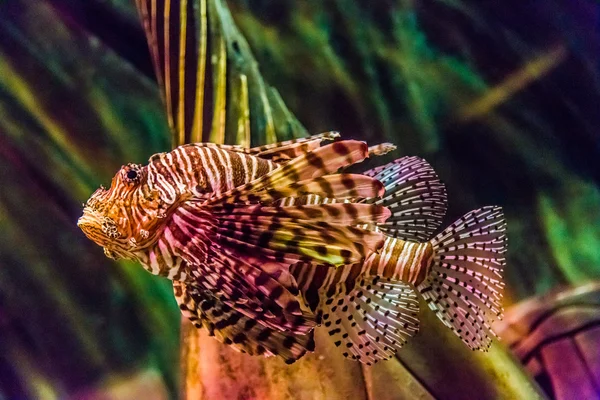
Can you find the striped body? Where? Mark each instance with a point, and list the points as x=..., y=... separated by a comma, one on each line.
x=401, y=261
x=203, y=171
x=398, y=260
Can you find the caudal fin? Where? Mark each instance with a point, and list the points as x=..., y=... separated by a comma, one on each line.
x=465, y=285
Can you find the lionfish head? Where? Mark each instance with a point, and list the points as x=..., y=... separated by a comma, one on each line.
x=122, y=219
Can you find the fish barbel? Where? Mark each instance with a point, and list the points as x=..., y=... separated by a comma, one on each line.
x=263, y=244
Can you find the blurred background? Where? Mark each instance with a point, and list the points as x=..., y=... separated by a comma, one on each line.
x=502, y=98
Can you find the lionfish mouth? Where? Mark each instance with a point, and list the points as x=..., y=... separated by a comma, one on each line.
x=91, y=225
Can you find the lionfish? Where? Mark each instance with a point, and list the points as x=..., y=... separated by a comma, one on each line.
x=264, y=244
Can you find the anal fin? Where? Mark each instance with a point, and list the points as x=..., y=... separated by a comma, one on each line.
x=371, y=321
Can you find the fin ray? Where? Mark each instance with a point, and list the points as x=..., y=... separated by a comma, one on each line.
x=259, y=295
x=304, y=236
x=465, y=286
x=414, y=195
x=371, y=321
x=289, y=149
x=322, y=161
x=340, y=186
x=231, y=327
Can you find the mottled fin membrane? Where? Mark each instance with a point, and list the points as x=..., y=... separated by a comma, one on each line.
x=284, y=151
x=323, y=233
x=373, y=320
x=284, y=234
x=342, y=186
x=262, y=286
x=341, y=213
x=322, y=161
x=217, y=243
x=306, y=237
x=465, y=285
x=237, y=330
x=414, y=195
x=258, y=288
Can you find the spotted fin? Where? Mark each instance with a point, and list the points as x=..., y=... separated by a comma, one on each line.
x=261, y=287
x=233, y=328
x=371, y=321
x=281, y=151
x=300, y=235
x=322, y=161
x=414, y=195
x=339, y=186
x=255, y=287
x=465, y=285
x=338, y=213
x=290, y=149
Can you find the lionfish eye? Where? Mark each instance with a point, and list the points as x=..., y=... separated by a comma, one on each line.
x=132, y=173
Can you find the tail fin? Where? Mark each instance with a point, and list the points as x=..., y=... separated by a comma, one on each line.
x=465, y=285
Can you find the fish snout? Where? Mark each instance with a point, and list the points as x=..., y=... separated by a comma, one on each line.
x=95, y=227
